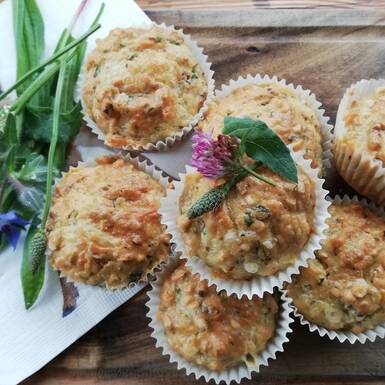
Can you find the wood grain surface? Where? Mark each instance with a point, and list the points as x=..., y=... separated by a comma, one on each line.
x=214, y=4
x=325, y=55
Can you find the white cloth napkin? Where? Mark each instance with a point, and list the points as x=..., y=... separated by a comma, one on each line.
x=30, y=339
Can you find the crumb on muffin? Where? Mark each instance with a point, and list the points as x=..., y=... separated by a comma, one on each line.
x=344, y=288
x=291, y=117
x=103, y=227
x=258, y=230
x=142, y=85
x=364, y=121
x=211, y=329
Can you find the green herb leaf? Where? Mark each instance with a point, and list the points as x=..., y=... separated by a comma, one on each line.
x=4, y=111
x=32, y=279
x=40, y=122
x=29, y=37
x=34, y=169
x=263, y=145
x=10, y=135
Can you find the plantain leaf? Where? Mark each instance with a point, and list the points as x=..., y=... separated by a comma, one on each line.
x=32, y=282
x=29, y=37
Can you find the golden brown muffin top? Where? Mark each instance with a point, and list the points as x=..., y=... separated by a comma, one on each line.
x=365, y=124
x=103, y=227
x=142, y=85
x=210, y=328
x=259, y=230
x=292, y=118
x=344, y=288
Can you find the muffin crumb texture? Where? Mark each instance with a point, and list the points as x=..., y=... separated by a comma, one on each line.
x=290, y=116
x=259, y=230
x=364, y=121
x=211, y=329
x=103, y=227
x=344, y=288
x=142, y=85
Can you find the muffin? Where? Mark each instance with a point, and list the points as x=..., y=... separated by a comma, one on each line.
x=280, y=107
x=344, y=287
x=359, y=145
x=142, y=85
x=103, y=227
x=211, y=329
x=259, y=230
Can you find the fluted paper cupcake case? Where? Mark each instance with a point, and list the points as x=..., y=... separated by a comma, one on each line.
x=235, y=374
x=169, y=211
x=148, y=168
x=168, y=142
x=302, y=94
x=342, y=336
x=360, y=169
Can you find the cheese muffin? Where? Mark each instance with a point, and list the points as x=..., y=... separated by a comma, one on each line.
x=142, y=85
x=103, y=227
x=259, y=230
x=364, y=121
x=211, y=329
x=344, y=288
x=291, y=117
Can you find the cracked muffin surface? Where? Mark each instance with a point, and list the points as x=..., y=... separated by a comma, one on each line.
x=258, y=230
x=142, y=85
x=344, y=287
x=103, y=227
x=364, y=121
x=290, y=116
x=210, y=328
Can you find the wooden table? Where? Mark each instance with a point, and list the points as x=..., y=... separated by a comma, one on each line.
x=324, y=50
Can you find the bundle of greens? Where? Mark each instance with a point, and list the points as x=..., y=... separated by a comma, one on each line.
x=35, y=131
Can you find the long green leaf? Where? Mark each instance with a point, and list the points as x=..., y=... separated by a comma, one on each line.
x=263, y=145
x=32, y=282
x=53, y=58
x=18, y=31
x=29, y=37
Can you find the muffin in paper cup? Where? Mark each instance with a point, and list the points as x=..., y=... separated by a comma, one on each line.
x=164, y=244
x=257, y=285
x=236, y=373
x=339, y=334
x=169, y=140
x=220, y=107
x=360, y=167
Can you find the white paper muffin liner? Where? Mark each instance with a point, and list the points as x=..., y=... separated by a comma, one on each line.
x=168, y=142
x=235, y=374
x=302, y=94
x=169, y=211
x=148, y=168
x=359, y=169
x=342, y=336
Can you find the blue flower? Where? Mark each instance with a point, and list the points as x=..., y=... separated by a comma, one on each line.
x=11, y=225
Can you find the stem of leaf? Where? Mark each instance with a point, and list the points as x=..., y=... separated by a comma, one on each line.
x=37, y=84
x=3, y=187
x=54, y=139
x=49, y=61
x=258, y=176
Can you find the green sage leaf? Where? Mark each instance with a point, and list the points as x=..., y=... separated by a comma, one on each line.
x=263, y=145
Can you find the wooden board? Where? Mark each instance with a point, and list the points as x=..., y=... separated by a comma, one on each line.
x=324, y=51
x=215, y=4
